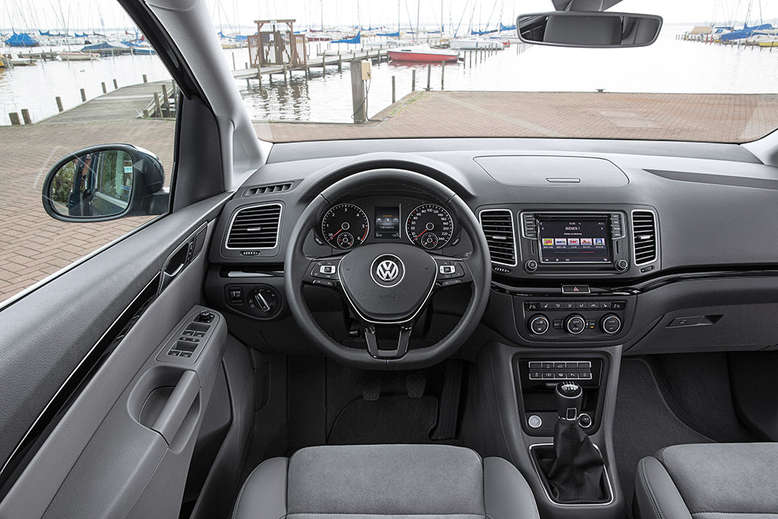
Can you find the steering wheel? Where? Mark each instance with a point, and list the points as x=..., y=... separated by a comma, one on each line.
x=387, y=284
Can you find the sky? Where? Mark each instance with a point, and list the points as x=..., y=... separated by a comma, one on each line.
x=94, y=14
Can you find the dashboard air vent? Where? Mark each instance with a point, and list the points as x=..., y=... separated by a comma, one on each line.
x=644, y=236
x=497, y=225
x=269, y=188
x=255, y=227
x=529, y=226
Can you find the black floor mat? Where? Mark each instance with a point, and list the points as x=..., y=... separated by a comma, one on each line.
x=644, y=422
x=390, y=419
x=703, y=402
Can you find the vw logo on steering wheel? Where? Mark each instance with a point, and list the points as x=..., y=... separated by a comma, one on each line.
x=387, y=270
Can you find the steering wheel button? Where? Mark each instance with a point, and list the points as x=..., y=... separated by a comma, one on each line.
x=327, y=269
x=447, y=270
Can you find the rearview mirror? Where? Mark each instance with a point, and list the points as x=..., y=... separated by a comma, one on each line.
x=589, y=29
x=105, y=183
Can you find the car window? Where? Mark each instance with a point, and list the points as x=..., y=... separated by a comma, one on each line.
x=458, y=69
x=71, y=80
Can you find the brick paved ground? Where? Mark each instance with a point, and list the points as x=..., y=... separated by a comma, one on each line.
x=703, y=117
x=32, y=245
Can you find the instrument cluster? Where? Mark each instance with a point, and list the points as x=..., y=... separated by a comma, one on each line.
x=428, y=225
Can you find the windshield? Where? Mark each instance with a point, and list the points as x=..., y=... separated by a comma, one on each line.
x=348, y=69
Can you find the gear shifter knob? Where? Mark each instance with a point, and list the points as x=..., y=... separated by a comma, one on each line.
x=569, y=398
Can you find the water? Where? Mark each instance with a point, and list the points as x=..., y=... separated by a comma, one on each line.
x=669, y=65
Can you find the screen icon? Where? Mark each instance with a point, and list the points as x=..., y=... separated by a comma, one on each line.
x=574, y=242
x=560, y=242
x=586, y=242
x=548, y=242
x=599, y=242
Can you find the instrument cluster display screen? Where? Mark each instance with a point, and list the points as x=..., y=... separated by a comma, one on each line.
x=574, y=239
x=387, y=223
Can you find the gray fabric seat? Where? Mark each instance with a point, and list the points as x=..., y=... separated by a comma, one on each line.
x=709, y=481
x=401, y=481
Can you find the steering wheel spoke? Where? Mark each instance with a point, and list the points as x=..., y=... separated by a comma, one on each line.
x=452, y=271
x=403, y=340
x=323, y=272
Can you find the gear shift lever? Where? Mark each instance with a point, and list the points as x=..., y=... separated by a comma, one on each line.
x=575, y=473
x=569, y=398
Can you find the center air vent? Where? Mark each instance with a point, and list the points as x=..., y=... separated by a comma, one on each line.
x=255, y=227
x=497, y=225
x=644, y=236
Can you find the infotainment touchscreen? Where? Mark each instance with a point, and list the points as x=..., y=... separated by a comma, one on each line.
x=574, y=239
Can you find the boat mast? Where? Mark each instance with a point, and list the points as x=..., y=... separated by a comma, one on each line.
x=441, y=18
x=418, y=13
x=321, y=4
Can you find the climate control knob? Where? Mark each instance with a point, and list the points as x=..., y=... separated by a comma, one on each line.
x=539, y=324
x=575, y=324
x=611, y=324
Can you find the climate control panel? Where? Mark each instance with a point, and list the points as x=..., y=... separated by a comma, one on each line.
x=574, y=319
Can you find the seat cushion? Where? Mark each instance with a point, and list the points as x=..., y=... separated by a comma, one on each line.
x=709, y=481
x=401, y=481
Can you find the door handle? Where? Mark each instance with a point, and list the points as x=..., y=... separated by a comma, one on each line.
x=177, y=406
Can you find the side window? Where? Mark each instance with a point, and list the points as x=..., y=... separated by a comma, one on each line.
x=65, y=97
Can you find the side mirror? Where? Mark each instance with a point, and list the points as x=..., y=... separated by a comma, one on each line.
x=105, y=182
x=589, y=29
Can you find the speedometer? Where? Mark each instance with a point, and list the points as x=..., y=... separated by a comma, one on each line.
x=429, y=226
x=345, y=225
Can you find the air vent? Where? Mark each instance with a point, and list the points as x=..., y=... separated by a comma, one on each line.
x=269, y=188
x=497, y=225
x=644, y=236
x=255, y=227
x=529, y=226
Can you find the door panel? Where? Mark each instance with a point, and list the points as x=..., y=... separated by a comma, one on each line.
x=103, y=457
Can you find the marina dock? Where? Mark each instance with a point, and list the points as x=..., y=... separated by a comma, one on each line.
x=322, y=62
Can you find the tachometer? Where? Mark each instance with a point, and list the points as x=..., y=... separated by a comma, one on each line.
x=345, y=225
x=429, y=226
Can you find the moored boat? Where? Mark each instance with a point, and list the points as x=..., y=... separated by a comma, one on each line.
x=78, y=56
x=422, y=55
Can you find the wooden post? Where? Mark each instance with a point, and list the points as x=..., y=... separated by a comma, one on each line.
x=26, y=116
x=340, y=63
x=394, y=91
x=14, y=119
x=429, y=76
x=145, y=79
x=413, y=80
x=283, y=71
x=248, y=84
x=145, y=113
x=357, y=93
x=115, y=85
x=166, y=101
x=102, y=84
x=59, y=104
x=233, y=61
x=471, y=57
x=442, y=74
x=83, y=96
x=157, y=109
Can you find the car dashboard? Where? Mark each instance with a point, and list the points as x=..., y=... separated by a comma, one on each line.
x=592, y=243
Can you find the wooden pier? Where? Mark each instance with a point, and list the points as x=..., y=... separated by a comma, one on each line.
x=322, y=62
